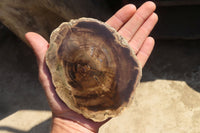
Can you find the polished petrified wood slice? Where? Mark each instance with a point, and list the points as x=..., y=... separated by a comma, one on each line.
x=93, y=69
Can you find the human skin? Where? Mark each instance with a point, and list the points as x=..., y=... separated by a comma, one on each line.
x=134, y=25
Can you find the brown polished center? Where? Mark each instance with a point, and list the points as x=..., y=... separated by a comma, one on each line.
x=83, y=70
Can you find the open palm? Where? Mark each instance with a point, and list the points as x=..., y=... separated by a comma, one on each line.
x=134, y=25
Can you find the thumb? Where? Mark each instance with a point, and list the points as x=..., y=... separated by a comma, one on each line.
x=38, y=44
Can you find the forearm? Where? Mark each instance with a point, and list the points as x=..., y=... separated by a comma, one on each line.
x=60, y=125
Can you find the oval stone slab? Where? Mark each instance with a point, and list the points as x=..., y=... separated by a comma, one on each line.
x=93, y=69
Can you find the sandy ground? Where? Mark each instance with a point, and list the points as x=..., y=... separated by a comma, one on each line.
x=166, y=101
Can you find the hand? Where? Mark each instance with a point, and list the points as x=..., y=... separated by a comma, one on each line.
x=134, y=25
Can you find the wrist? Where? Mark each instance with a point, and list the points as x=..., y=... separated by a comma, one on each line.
x=61, y=125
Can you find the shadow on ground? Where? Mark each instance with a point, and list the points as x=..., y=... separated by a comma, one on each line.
x=19, y=86
x=175, y=60
x=43, y=127
x=20, y=89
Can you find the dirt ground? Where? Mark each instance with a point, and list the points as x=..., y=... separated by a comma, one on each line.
x=166, y=101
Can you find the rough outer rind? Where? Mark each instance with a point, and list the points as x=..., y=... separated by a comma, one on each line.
x=64, y=90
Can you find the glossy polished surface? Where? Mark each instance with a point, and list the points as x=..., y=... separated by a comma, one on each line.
x=93, y=69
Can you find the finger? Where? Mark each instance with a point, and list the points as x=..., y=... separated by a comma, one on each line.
x=145, y=50
x=45, y=79
x=38, y=44
x=121, y=16
x=140, y=16
x=143, y=32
